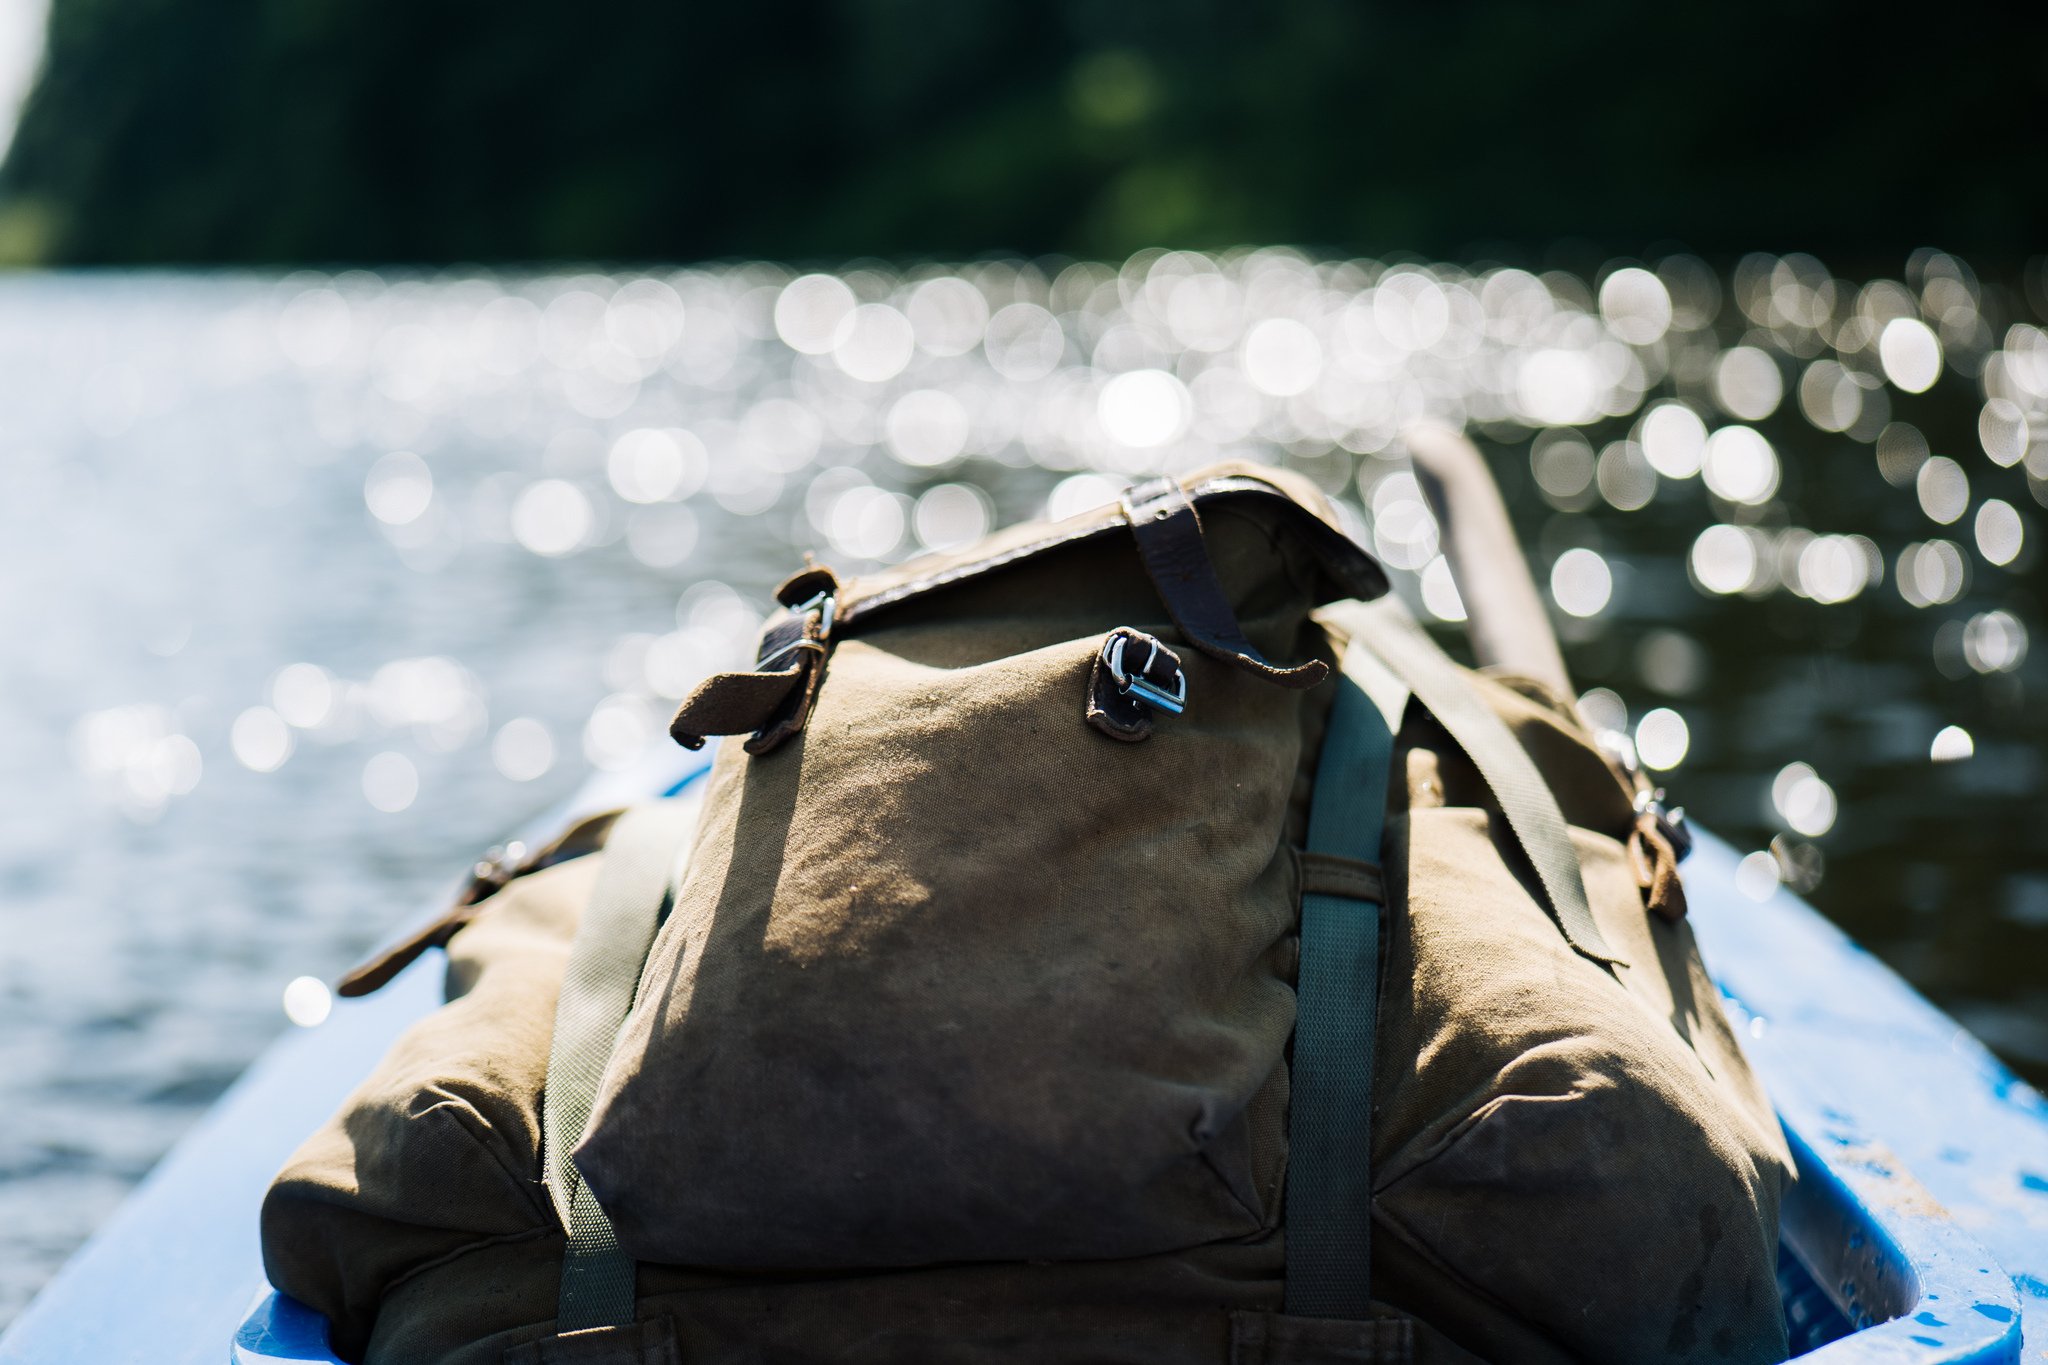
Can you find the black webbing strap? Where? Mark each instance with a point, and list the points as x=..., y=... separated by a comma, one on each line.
x=597, y=993
x=1329, y=1129
x=1169, y=535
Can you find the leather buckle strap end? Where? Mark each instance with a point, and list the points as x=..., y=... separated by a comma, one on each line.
x=774, y=701
x=1169, y=535
x=497, y=870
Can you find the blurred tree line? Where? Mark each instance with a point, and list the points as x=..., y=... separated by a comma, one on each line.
x=271, y=131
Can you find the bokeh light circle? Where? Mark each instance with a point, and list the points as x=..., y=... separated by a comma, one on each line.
x=1636, y=305
x=1740, y=466
x=1674, y=440
x=1581, y=583
x=1910, y=353
x=1662, y=739
x=1144, y=408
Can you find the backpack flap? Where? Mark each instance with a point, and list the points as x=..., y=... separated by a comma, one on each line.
x=771, y=703
x=953, y=975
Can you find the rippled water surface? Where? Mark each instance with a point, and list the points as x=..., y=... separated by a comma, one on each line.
x=311, y=588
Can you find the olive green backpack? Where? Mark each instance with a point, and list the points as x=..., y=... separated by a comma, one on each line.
x=1114, y=942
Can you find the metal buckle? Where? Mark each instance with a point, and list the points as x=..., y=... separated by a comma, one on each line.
x=1671, y=820
x=1137, y=685
x=827, y=606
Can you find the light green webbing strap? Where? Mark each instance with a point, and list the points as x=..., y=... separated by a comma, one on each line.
x=1386, y=629
x=1329, y=1126
x=597, y=993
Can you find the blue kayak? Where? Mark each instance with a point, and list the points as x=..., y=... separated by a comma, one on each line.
x=1918, y=1231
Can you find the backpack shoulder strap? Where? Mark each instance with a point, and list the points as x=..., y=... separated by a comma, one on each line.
x=1387, y=630
x=1329, y=1129
x=598, y=986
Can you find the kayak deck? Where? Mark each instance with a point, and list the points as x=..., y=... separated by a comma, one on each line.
x=1921, y=1159
x=1937, y=1148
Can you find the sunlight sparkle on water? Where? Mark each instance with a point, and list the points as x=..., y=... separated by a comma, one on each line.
x=1580, y=582
x=814, y=314
x=1080, y=493
x=1564, y=467
x=1636, y=305
x=952, y=516
x=1281, y=357
x=1674, y=440
x=1404, y=531
x=1440, y=591
x=1911, y=354
x=303, y=694
x=927, y=427
x=523, y=749
x=1662, y=739
x=878, y=346
x=1932, y=573
x=2003, y=432
x=399, y=488
x=261, y=739
x=1149, y=407
x=1740, y=465
x=948, y=316
x=618, y=732
x=551, y=518
x=1747, y=384
x=1603, y=709
x=1803, y=801
x=1944, y=489
x=307, y=1001
x=1994, y=642
x=1952, y=745
x=390, y=782
x=866, y=522
x=1724, y=559
x=2001, y=535
x=656, y=465
x=1756, y=877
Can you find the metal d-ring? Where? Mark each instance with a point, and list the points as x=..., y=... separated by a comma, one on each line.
x=826, y=605
x=1137, y=684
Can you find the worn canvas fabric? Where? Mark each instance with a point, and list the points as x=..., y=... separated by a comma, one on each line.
x=950, y=978
x=966, y=1038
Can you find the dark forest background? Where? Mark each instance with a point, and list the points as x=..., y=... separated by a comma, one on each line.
x=273, y=131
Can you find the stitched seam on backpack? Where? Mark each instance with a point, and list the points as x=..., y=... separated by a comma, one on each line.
x=503, y=1239
x=464, y=1114
x=1259, y=1223
x=1384, y=1181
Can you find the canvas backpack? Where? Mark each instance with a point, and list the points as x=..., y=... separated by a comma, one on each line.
x=1019, y=994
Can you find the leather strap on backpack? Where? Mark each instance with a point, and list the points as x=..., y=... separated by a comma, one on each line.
x=1169, y=535
x=598, y=988
x=492, y=875
x=774, y=700
x=1329, y=1130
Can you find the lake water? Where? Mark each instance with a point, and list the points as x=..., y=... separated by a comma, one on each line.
x=311, y=588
